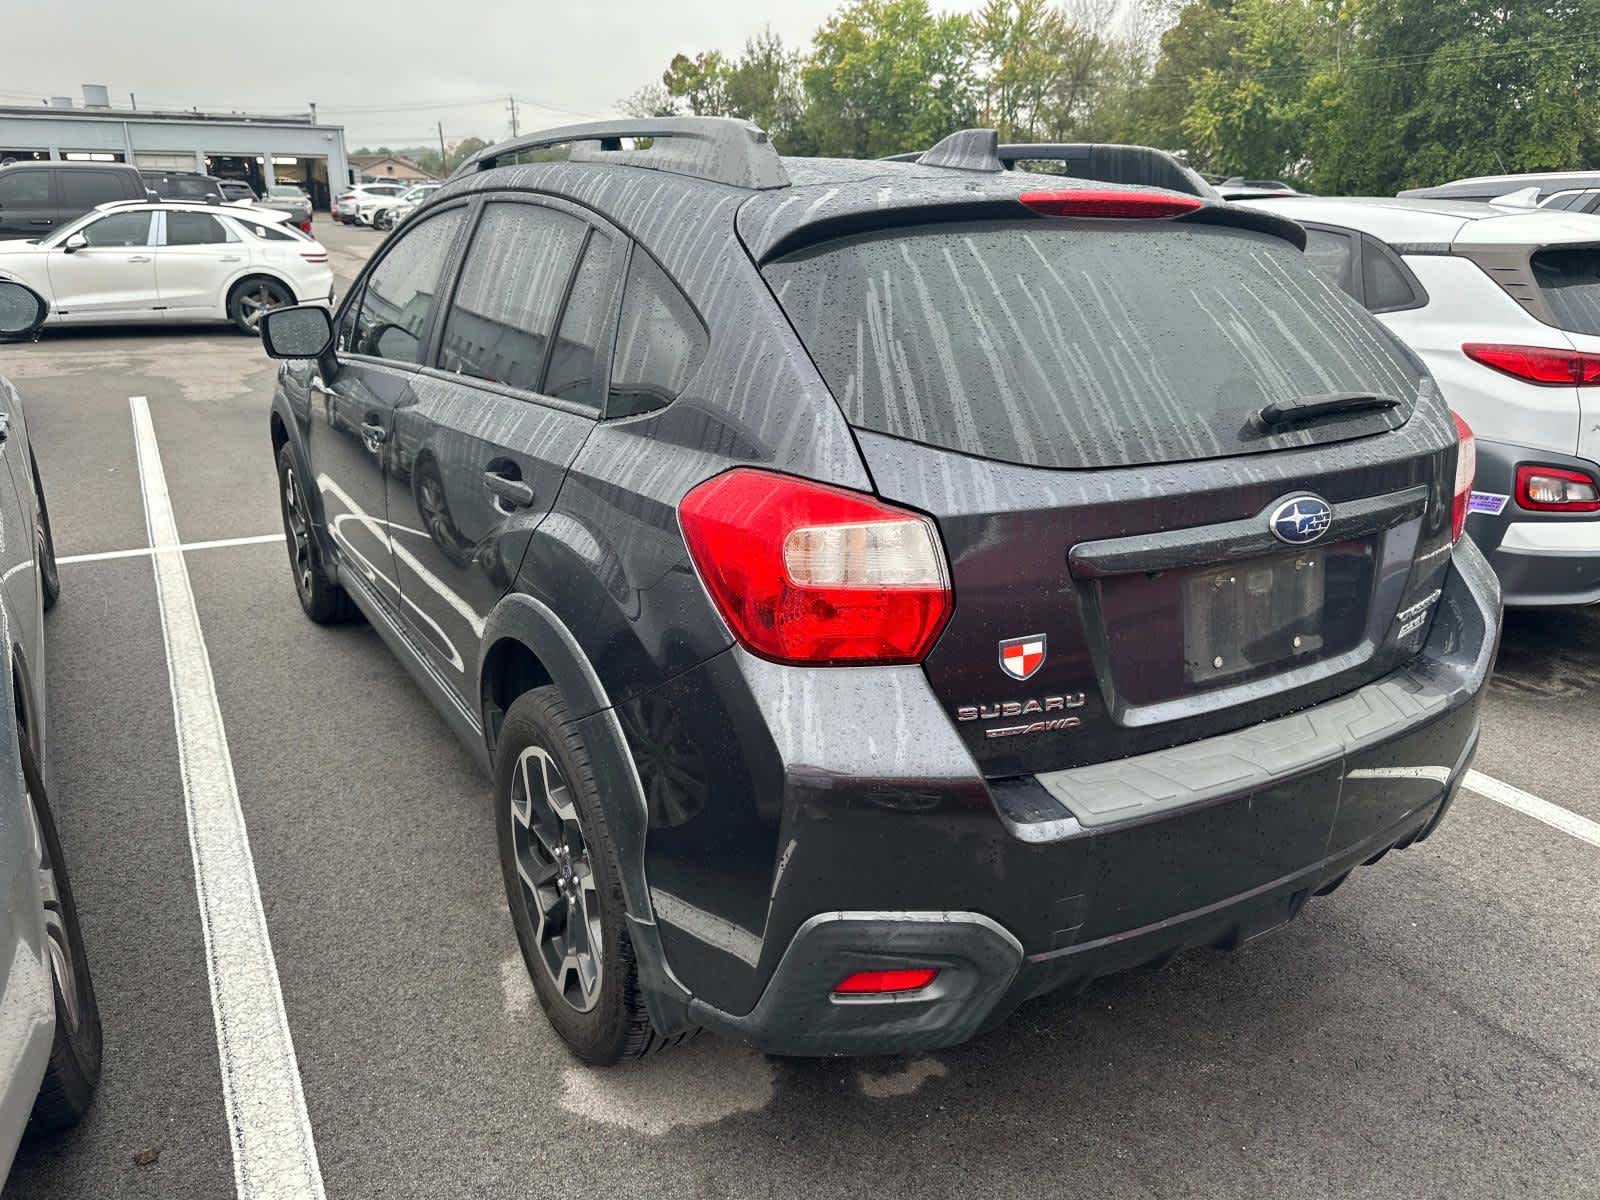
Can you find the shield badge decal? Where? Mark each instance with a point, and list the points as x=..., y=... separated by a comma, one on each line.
x=1020, y=657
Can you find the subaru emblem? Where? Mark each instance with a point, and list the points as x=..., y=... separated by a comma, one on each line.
x=1300, y=520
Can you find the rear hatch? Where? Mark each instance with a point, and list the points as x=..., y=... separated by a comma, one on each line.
x=1077, y=403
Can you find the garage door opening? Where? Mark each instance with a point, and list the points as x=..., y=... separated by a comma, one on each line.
x=307, y=173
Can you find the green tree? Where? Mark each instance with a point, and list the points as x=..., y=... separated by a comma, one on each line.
x=700, y=82
x=886, y=76
x=763, y=86
x=652, y=100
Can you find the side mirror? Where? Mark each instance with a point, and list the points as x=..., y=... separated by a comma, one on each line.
x=75, y=243
x=302, y=331
x=22, y=311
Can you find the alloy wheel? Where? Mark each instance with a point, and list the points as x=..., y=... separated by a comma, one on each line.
x=297, y=518
x=558, y=882
x=58, y=942
x=258, y=301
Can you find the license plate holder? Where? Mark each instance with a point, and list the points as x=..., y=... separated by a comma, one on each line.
x=1254, y=614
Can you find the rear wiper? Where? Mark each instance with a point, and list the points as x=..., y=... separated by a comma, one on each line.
x=1327, y=404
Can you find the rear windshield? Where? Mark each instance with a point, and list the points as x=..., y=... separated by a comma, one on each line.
x=1570, y=281
x=1058, y=345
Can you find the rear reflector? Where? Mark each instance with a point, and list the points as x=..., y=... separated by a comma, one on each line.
x=1094, y=202
x=1556, y=489
x=807, y=573
x=883, y=983
x=1537, y=364
x=314, y=256
x=1466, y=472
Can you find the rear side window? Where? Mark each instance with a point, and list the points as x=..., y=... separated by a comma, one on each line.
x=24, y=189
x=401, y=290
x=85, y=189
x=578, y=359
x=1066, y=345
x=512, y=284
x=1387, y=284
x=1333, y=255
x=271, y=233
x=660, y=342
x=194, y=229
x=1570, y=282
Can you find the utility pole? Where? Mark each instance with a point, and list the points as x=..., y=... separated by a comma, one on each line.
x=511, y=103
x=313, y=112
x=444, y=162
x=133, y=102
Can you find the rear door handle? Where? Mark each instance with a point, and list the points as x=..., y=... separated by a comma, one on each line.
x=373, y=434
x=513, y=491
x=230, y=258
x=137, y=258
x=40, y=221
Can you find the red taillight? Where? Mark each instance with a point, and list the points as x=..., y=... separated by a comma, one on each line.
x=1556, y=489
x=883, y=983
x=305, y=226
x=1537, y=364
x=1466, y=471
x=1095, y=202
x=806, y=573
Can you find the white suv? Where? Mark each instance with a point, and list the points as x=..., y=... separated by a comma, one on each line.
x=1504, y=308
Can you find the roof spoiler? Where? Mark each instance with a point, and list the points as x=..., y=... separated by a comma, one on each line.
x=1105, y=162
x=717, y=149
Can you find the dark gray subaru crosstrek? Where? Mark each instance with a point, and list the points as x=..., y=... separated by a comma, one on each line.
x=884, y=592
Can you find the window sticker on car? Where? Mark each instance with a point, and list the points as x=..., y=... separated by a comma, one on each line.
x=1487, y=502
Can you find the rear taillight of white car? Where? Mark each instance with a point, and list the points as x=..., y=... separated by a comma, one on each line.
x=807, y=573
x=314, y=254
x=1538, y=365
x=1466, y=471
x=1556, y=489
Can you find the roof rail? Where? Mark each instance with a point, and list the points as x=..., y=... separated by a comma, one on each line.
x=718, y=149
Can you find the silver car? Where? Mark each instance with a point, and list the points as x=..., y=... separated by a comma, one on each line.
x=286, y=198
x=50, y=1038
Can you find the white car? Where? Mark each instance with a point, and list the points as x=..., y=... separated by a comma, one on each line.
x=137, y=261
x=387, y=212
x=348, y=203
x=1504, y=308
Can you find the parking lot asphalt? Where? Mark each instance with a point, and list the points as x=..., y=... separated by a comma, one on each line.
x=1428, y=1030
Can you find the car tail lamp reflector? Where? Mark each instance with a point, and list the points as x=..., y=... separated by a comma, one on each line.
x=1466, y=472
x=886, y=983
x=314, y=256
x=806, y=573
x=1537, y=364
x=305, y=226
x=1098, y=202
x=1556, y=489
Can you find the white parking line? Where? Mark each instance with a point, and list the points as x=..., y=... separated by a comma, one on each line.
x=274, y=1154
x=1552, y=815
x=141, y=551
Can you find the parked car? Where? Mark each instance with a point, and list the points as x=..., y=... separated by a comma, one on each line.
x=159, y=262
x=387, y=212
x=1237, y=187
x=49, y=1021
x=235, y=191
x=347, y=202
x=885, y=592
x=1484, y=188
x=290, y=200
x=189, y=186
x=1503, y=306
x=37, y=197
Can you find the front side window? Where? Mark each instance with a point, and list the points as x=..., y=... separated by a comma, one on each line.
x=194, y=229
x=401, y=290
x=24, y=189
x=660, y=342
x=85, y=189
x=512, y=284
x=119, y=229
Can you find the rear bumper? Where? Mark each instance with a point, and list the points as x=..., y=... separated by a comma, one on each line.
x=893, y=852
x=1543, y=559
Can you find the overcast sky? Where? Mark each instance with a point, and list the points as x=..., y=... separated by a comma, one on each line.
x=382, y=68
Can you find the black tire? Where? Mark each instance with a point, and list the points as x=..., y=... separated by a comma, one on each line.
x=74, y=1070
x=323, y=600
x=615, y=1026
x=45, y=544
x=383, y=221
x=251, y=297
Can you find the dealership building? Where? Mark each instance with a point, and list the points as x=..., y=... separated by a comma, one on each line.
x=261, y=150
